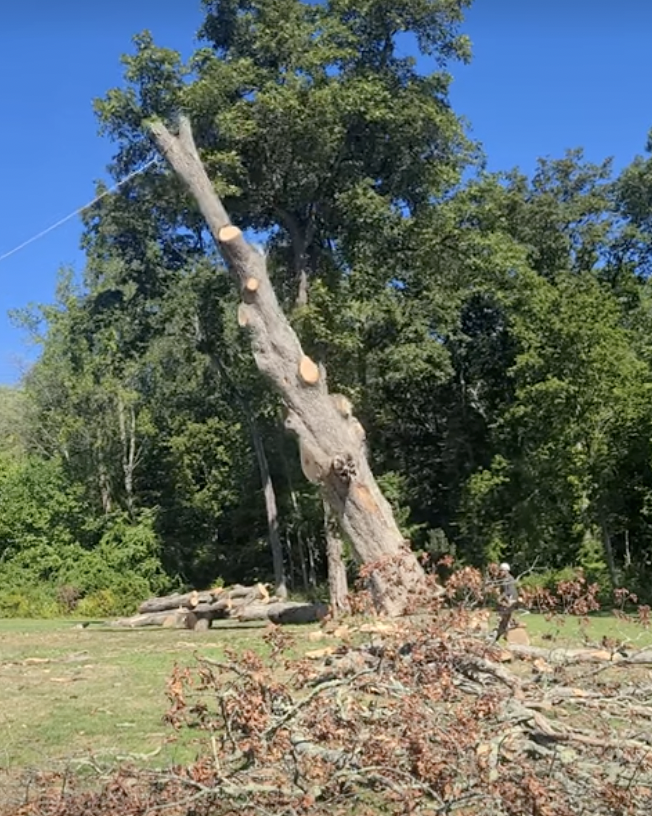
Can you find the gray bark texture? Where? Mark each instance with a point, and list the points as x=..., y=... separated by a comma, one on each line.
x=338, y=588
x=280, y=586
x=330, y=442
x=280, y=582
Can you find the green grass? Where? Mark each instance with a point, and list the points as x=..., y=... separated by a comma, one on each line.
x=571, y=631
x=69, y=694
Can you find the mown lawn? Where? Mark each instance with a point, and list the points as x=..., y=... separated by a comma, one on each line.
x=71, y=695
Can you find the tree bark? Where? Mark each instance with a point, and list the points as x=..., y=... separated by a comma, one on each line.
x=297, y=519
x=300, y=240
x=127, y=424
x=284, y=612
x=329, y=440
x=280, y=585
x=337, y=584
x=103, y=478
x=628, y=552
x=609, y=552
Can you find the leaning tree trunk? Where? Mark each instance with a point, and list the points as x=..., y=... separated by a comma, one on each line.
x=337, y=583
x=330, y=440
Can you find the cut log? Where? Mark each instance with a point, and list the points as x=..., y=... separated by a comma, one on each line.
x=191, y=620
x=206, y=598
x=283, y=612
x=152, y=619
x=203, y=625
x=198, y=623
x=561, y=656
x=176, y=601
x=393, y=572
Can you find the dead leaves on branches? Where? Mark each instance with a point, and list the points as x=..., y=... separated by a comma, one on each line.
x=425, y=720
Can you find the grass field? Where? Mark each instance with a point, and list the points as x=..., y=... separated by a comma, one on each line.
x=71, y=695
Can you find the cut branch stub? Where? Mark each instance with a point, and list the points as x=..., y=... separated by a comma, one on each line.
x=237, y=252
x=243, y=315
x=228, y=234
x=308, y=371
x=343, y=405
x=251, y=285
x=309, y=466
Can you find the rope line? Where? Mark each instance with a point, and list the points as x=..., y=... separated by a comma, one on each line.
x=80, y=210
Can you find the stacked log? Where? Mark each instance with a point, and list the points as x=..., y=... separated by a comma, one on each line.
x=197, y=610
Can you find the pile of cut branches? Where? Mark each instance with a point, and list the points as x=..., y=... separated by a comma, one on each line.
x=423, y=719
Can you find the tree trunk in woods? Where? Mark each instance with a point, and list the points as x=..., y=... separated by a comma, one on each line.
x=280, y=583
x=127, y=423
x=297, y=518
x=300, y=239
x=280, y=586
x=609, y=553
x=103, y=478
x=331, y=445
x=337, y=584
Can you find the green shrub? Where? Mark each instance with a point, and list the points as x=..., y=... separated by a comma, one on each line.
x=29, y=602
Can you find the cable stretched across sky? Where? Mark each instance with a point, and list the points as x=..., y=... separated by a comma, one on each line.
x=80, y=210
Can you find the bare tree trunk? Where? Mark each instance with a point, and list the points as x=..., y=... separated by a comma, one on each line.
x=271, y=508
x=302, y=562
x=105, y=489
x=337, y=583
x=297, y=517
x=628, y=552
x=280, y=585
x=609, y=552
x=103, y=477
x=330, y=443
x=300, y=241
x=312, y=566
x=127, y=423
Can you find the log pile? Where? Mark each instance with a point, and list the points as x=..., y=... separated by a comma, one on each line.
x=197, y=610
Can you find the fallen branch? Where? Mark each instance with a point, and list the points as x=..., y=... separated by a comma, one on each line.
x=567, y=657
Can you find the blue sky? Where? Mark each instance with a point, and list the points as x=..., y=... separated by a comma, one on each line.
x=546, y=75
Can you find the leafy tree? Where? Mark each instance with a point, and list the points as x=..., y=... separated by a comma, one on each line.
x=314, y=127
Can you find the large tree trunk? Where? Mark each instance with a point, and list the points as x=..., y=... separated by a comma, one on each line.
x=337, y=584
x=330, y=442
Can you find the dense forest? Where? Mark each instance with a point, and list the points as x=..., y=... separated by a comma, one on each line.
x=492, y=331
